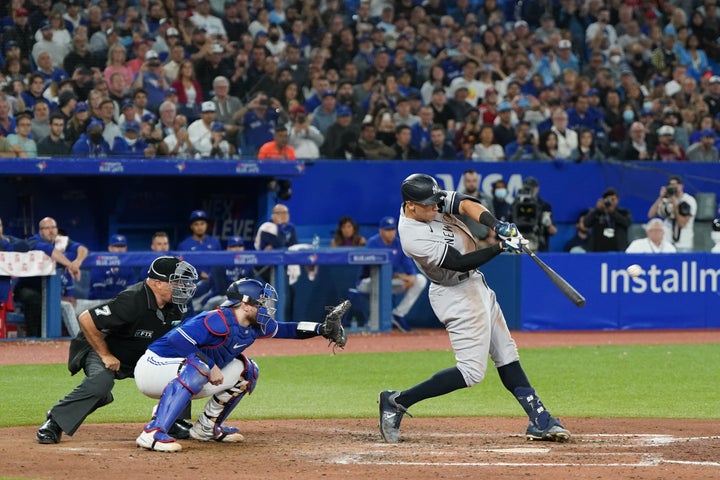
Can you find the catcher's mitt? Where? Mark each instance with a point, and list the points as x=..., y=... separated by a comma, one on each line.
x=332, y=328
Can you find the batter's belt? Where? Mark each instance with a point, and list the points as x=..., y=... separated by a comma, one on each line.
x=454, y=281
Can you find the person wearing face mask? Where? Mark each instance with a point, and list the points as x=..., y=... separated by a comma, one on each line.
x=275, y=43
x=91, y=143
x=500, y=203
x=131, y=144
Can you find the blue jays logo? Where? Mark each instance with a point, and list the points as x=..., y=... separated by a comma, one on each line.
x=41, y=166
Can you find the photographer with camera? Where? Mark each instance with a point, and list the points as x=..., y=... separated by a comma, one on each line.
x=609, y=224
x=533, y=216
x=678, y=210
x=304, y=137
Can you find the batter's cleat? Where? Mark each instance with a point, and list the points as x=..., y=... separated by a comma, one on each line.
x=180, y=429
x=158, y=441
x=49, y=432
x=221, y=433
x=554, y=432
x=390, y=415
x=401, y=324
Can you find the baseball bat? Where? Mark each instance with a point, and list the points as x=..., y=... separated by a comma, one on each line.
x=559, y=281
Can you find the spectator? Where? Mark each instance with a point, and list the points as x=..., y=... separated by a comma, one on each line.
x=21, y=33
x=46, y=43
x=228, y=108
x=667, y=149
x=221, y=148
x=420, y=132
x=503, y=130
x=443, y=114
x=332, y=144
x=525, y=145
x=439, y=148
x=403, y=115
x=202, y=18
x=325, y=114
x=486, y=150
x=91, y=143
x=117, y=63
x=190, y=94
x=369, y=147
x=636, y=146
x=150, y=78
x=579, y=242
x=131, y=145
x=347, y=234
x=470, y=186
x=567, y=139
x=20, y=142
x=608, y=223
x=586, y=150
x=406, y=280
x=40, y=121
x=678, y=209
x=278, y=148
x=403, y=149
x=654, y=242
x=547, y=146
x=64, y=251
x=200, y=130
x=77, y=124
x=704, y=150
x=259, y=123
x=178, y=143
x=54, y=145
x=304, y=138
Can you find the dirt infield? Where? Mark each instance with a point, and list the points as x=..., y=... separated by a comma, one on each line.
x=445, y=448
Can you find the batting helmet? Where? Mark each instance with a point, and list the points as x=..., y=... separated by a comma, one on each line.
x=422, y=189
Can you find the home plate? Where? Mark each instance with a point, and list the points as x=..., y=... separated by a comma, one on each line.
x=518, y=450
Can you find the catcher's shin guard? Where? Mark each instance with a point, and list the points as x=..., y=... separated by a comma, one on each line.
x=176, y=395
x=220, y=405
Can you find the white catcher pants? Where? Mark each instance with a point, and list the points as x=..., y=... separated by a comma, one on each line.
x=153, y=373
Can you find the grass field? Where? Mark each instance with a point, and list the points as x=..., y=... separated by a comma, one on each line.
x=658, y=381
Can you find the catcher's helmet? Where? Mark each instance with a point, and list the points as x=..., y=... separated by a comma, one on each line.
x=422, y=189
x=251, y=291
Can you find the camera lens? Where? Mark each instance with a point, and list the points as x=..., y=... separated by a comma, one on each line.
x=607, y=202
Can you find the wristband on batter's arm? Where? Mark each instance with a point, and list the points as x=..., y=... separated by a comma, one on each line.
x=488, y=219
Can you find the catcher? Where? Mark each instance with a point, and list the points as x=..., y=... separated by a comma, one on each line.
x=203, y=358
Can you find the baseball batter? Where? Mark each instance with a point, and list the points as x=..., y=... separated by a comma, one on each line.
x=444, y=250
x=203, y=358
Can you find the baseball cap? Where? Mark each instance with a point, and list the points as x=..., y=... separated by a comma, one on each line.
x=714, y=79
x=659, y=81
x=593, y=92
x=81, y=107
x=343, y=111
x=131, y=125
x=172, y=32
x=95, y=122
x=46, y=26
x=490, y=90
x=387, y=223
x=708, y=132
x=118, y=241
x=162, y=267
x=217, y=48
x=564, y=44
x=13, y=43
x=531, y=182
x=207, y=107
x=235, y=241
x=521, y=23
x=217, y=127
x=298, y=109
x=198, y=215
x=666, y=130
x=22, y=12
x=170, y=91
x=523, y=102
x=328, y=93
x=107, y=16
x=181, y=6
x=148, y=117
x=504, y=106
x=151, y=55
x=127, y=104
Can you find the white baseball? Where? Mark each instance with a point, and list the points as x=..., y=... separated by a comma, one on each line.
x=634, y=270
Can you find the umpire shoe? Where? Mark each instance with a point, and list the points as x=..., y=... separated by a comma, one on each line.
x=391, y=414
x=224, y=433
x=401, y=324
x=158, y=441
x=180, y=429
x=49, y=432
x=554, y=432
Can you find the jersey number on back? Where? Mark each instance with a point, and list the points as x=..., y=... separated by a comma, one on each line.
x=105, y=310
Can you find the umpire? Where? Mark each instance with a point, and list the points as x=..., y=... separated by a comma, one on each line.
x=114, y=336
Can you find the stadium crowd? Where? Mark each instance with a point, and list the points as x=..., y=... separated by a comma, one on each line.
x=492, y=80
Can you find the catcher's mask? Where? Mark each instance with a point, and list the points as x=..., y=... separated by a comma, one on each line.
x=256, y=293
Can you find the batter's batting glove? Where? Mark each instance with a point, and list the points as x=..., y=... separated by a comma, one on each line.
x=505, y=229
x=332, y=328
x=513, y=244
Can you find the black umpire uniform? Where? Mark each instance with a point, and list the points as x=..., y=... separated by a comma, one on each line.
x=130, y=322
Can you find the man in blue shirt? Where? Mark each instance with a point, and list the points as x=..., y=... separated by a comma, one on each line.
x=406, y=280
x=91, y=143
x=200, y=241
x=106, y=283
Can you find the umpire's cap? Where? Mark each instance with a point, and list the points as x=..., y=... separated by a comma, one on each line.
x=162, y=267
x=422, y=189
